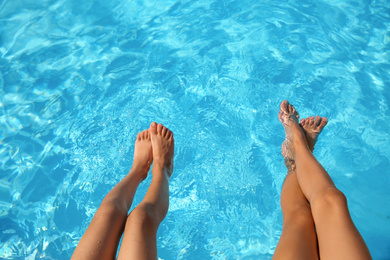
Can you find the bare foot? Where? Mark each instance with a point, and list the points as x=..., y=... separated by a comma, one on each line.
x=312, y=129
x=163, y=148
x=143, y=153
x=288, y=116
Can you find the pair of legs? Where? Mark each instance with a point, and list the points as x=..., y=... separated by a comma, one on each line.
x=101, y=239
x=316, y=220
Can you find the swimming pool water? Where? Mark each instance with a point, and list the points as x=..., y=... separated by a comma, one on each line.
x=79, y=80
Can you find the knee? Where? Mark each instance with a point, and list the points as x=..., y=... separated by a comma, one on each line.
x=145, y=216
x=331, y=201
x=113, y=206
x=111, y=212
x=299, y=215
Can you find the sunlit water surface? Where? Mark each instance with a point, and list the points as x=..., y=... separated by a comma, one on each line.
x=80, y=79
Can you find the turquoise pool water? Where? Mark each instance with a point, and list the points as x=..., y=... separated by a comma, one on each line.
x=79, y=80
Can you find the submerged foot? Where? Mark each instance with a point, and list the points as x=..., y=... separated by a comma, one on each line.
x=312, y=128
x=143, y=153
x=288, y=116
x=163, y=148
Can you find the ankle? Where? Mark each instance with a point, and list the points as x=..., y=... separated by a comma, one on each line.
x=299, y=139
x=139, y=171
x=160, y=172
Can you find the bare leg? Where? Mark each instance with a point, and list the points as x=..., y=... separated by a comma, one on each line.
x=139, y=239
x=298, y=239
x=337, y=236
x=100, y=240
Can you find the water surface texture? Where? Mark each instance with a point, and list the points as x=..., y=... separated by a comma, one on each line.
x=79, y=80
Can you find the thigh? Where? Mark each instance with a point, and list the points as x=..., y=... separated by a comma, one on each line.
x=101, y=239
x=298, y=239
x=338, y=238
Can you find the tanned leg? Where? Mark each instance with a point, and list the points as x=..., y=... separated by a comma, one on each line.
x=100, y=240
x=139, y=239
x=337, y=236
x=298, y=239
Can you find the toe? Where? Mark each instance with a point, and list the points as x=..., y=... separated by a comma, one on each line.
x=153, y=128
x=168, y=133
x=291, y=108
x=324, y=121
x=311, y=120
x=159, y=128
x=163, y=131
x=146, y=135
x=317, y=121
x=284, y=106
x=296, y=114
x=303, y=121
